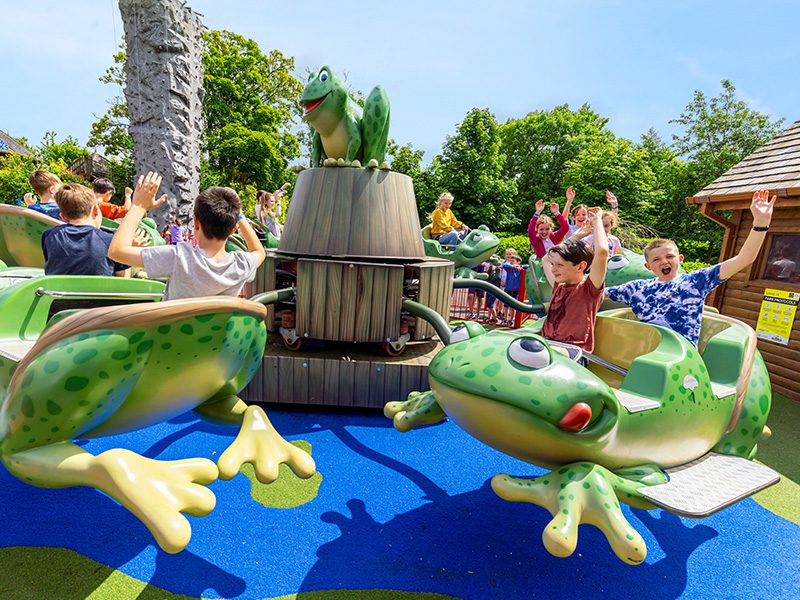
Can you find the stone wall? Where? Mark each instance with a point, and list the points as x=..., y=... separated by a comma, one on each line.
x=164, y=92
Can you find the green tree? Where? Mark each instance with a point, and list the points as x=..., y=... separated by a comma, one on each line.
x=720, y=132
x=471, y=168
x=67, y=152
x=540, y=145
x=619, y=166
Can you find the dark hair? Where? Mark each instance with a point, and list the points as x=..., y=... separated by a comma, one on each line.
x=217, y=209
x=102, y=186
x=574, y=252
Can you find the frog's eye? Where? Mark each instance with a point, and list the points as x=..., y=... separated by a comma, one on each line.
x=529, y=352
x=476, y=237
x=465, y=331
x=323, y=76
x=617, y=262
x=459, y=334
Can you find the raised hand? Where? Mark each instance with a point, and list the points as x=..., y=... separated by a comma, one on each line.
x=146, y=189
x=539, y=206
x=611, y=199
x=570, y=194
x=28, y=199
x=762, y=207
x=585, y=230
x=128, y=192
x=554, y=208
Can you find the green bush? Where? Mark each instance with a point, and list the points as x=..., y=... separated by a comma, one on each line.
x=14, y=172
x=694, y=265
x=520, y=243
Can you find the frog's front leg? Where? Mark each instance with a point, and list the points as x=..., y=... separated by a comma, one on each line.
x=353, y=144
x=420, y=408
x=583, y=493
x=156, y=491
x=257, y=442
x=317, y=152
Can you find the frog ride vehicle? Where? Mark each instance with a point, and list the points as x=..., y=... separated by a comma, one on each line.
x=69, y=373
x=476, y=247
x=652, y=422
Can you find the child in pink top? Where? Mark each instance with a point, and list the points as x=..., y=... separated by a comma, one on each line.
x=540, y=228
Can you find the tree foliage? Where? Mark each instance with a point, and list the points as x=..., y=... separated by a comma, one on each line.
x=471, y=168
x=539, y=146
x=720, y=132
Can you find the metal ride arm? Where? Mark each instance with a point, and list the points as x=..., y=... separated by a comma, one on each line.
x=439, y=323
x=274, y=296
x=96, y=295
x=500, y=295
x=578, y=353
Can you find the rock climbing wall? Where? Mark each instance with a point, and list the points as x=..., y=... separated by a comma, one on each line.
x=164, y=92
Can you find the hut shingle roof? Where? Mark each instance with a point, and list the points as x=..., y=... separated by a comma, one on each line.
x=9, y=144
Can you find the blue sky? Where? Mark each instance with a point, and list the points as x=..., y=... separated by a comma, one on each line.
x=634, y=61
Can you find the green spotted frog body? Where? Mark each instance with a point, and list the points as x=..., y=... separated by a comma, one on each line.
x=476, y=247
x=513, y=391
x=340, y=131
x=114, y=370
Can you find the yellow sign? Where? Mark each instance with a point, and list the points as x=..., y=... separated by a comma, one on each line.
x=777, y=316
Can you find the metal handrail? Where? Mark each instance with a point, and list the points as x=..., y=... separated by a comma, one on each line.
x=40, y=291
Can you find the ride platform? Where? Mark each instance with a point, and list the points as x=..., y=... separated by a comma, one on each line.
x=339, y=374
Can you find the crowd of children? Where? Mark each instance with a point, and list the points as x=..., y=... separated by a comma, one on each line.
x=575, y=266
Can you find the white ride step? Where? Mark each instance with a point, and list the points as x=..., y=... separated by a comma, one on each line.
x=15, y=349
x=634, y=403
x=722, y=391
x=708, y=484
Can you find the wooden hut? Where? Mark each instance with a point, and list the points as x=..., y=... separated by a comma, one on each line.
x=775, y=167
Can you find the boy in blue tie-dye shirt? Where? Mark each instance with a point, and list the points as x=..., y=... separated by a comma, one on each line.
x=676, y=301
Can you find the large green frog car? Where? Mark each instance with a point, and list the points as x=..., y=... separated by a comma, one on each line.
x=651, y=422
x=109, y=370
x=341, y=134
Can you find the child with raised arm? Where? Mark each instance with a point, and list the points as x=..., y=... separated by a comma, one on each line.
x=45, y=185
x=676, y=301
x=540, y=227
x=205, y=270
x=445, y=227
x=610, y=221
x=576, y=298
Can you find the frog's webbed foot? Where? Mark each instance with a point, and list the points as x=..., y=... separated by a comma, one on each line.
x=262, y=446
x=329, y=162
x=385, y=166
x=356, y=164
x=580, y=493
x=372, y=164
x=155, y=491
x=297, y=168
x=420, y=408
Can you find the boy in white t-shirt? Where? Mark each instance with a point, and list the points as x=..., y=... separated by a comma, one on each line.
x=208, y=269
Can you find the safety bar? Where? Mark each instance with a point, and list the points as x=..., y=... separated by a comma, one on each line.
x=58, y=294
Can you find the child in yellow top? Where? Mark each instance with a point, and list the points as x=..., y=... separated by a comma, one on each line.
x=446, y=228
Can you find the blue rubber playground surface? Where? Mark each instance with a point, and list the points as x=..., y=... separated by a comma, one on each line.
x=396, y=511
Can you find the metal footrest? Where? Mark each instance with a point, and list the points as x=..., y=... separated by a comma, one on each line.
x=708, y=484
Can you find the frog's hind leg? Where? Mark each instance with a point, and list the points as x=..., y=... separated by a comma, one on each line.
x=375, y=126
x=157, y=492
x=579, y=493
x=258, y=441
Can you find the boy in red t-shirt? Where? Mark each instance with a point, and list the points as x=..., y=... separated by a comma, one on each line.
x=576, y=298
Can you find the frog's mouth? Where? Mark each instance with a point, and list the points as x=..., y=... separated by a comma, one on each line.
x=311, y=105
